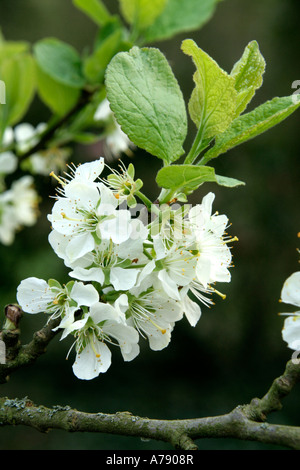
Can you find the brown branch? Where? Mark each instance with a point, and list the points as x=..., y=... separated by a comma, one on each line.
x=29, y=353
x=246, y=422
x=179, y=433
x=258, y=409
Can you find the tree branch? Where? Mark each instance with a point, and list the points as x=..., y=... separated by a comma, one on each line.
x=179, y=433
x=245, y=422
x=30, y=352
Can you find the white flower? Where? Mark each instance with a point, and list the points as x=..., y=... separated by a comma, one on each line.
x=102, y=324
x=25, y=200
x=191, y=309
x=109, y=263
x=103, y=112
x=153, y=314
x=117, y=141
x=35, y=295
x=176, y=267
x=87, y=172
x=26, y=135
x=18, y=207
x=8, y=163
x=8, y=223
x=88, y=211
x=210, y=245
x=290, y=294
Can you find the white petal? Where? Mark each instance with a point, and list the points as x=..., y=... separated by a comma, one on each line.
x=103, y=111
x=34, y=294
x=169, y=286
x=89, y=171
x=127, y=338
x=203, y=270
x=123, y=279
x=84, y=194
x=92, y=274
x=80, y=245
x=290, y=293
x=291, y=332
x=8, y=162
x=191, y=310
x=117, y=229
x=108, y=201
x=59, y=243
x=84, y=294
x=64, y=217
x=101, y=311
x=89, y=364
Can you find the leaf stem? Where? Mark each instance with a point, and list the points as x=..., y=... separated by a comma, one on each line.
x=196, y=147
x=145, y=199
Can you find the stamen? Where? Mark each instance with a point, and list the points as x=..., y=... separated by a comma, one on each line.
x=219, y=293
x=57, y=178
x=163, y=331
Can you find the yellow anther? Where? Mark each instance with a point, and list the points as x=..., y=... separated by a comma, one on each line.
x=57, y=178
x=163, y=331
x=220, y=294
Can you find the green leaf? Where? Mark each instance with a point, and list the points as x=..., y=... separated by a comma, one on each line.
x=180, y=16
x=141, y=13
x=10, y=48
x=213, y=101
x=254, y=123
x=18, y=74
x=187, y=178
x=95, y=65
x=58, y=97
x=147, y=102
x=248, y=72
x=54, y=283
x=60, y=61
x=94, y=9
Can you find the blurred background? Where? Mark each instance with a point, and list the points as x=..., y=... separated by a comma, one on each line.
x=236, y=350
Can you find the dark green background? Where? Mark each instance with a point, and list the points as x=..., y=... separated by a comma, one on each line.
x=236, y=349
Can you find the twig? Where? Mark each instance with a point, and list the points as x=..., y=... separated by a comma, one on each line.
x=179, y=433
x=30, y=352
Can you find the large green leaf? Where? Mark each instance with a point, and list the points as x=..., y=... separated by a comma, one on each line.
x=58, y=97
x=187, y=178
x=60, y=61
x=254, y=123
x=213, y=101
x=147, y=101
x=95, y=65
x=94, y=9
x=141, y=13
x=248, y=72
x=18, y=73
x=180, y=16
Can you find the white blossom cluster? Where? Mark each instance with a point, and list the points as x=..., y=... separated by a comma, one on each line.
x=19, y=202
x=132, y=276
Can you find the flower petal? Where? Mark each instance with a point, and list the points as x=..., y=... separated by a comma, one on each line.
x=92, y=361
x=84, y=294
x=290, y=293
x=34, y=295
